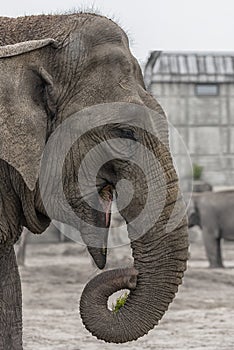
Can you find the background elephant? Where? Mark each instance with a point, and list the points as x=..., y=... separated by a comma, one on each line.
x=213, y=212
x=52, y=67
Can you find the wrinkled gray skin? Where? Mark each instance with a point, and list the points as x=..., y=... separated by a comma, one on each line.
x=55, y=66
x=213, y=212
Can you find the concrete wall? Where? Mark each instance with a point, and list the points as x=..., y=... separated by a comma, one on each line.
x=206, y=125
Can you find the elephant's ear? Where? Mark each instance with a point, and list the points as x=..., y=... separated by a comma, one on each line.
x=23, y=120
x=24, y=47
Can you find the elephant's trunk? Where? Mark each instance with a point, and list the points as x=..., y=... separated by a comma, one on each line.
x=160, y=260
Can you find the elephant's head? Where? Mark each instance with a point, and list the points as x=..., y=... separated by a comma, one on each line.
x=44, y=82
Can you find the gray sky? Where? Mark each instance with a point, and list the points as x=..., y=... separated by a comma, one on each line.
x=152, y=24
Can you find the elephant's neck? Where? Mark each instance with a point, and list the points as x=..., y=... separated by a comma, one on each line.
x=35, y=218
x=18, y=206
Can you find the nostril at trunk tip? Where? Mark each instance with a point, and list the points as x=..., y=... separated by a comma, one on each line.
x=132, y=282
x=131, y=279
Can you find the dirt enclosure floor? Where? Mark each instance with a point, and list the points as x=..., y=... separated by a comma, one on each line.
x=201, y=317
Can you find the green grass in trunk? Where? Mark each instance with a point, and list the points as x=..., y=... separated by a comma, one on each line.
x=120, y=302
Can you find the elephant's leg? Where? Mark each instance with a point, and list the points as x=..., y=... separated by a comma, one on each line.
x=219, y=253
x=10, y=302
x=213, y=248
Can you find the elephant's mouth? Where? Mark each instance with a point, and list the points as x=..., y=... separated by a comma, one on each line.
x=98, y=250
x=105, y=199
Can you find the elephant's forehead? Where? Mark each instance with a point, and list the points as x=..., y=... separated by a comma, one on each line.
x=102, y=30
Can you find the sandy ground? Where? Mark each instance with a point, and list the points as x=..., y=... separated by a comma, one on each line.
x=201, y=317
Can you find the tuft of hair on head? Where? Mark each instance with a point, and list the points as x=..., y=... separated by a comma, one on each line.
x=81, y=9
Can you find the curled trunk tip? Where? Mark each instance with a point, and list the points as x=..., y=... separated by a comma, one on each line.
x=94, y=298
x=151, y=292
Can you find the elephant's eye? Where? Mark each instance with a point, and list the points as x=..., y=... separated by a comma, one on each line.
x=127, y=134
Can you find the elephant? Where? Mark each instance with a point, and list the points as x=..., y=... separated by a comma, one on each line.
x=212, y=212
x=54, y=67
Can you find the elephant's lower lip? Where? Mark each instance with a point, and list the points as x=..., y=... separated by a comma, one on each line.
x=99, y=256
